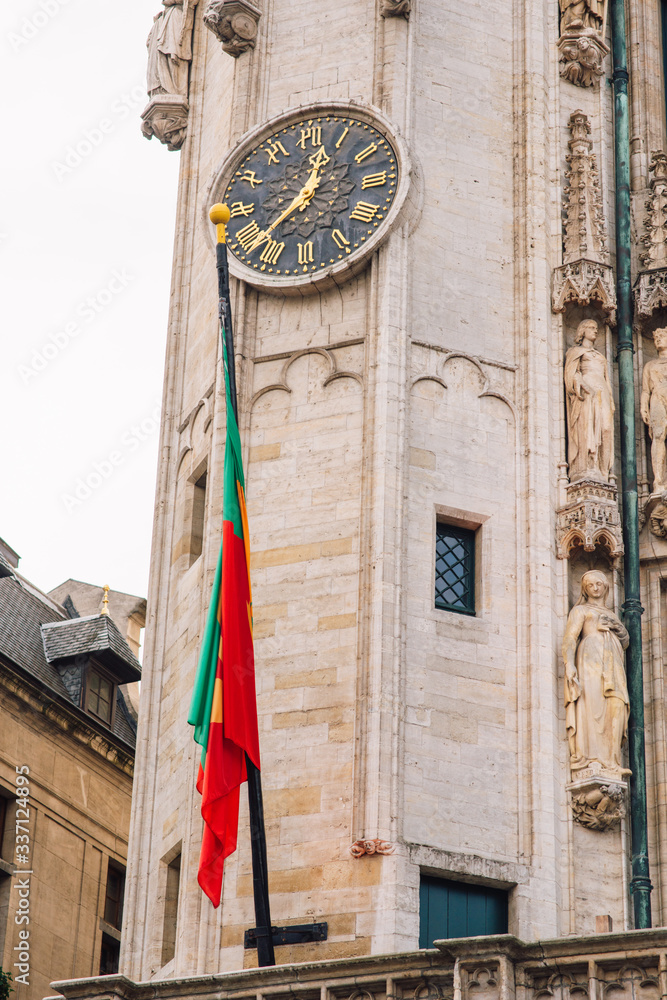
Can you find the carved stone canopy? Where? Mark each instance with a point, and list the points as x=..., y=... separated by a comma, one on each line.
x=583, y=282
x=585, y=275
x=166, y=118
x=234, y=23
x=395, y=8
x=590, y=518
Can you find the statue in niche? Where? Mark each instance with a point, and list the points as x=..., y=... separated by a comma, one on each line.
x=597, y=705
x=654, y=409
x=170, y=48
x=578, y=14
x=590, y=407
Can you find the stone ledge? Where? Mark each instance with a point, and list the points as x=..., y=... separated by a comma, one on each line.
x=397, y=975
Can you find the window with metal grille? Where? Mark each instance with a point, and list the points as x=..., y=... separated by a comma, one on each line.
x=455, y=569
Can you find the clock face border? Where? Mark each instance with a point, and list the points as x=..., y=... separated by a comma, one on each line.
x=342, y=270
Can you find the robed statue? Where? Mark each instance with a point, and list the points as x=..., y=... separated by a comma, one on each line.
x=597, y=706
x=590, y=407
x=578, y=14
x=170, y=48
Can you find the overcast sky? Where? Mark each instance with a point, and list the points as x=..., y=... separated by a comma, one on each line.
x=86, y=236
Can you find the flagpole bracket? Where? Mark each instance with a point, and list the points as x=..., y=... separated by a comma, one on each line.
x=294, y=934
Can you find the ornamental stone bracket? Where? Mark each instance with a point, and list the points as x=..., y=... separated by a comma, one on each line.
x=166, y=118
x=590, y=518
x=361, y=847
x=655, y=512
x=585, y=275
x=651, y=286
x=598, y=798
x=234, y=23
x=395, y=8
x=581, y=55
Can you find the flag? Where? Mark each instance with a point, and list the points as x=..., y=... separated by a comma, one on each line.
x=224, y=707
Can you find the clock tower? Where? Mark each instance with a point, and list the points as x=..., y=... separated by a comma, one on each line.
x=403, y=302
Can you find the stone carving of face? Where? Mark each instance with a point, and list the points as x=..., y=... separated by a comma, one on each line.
x=587, y=330
x=594, y=584
x=660, y=337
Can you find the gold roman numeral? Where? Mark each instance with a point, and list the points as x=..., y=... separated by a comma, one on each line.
x=306, y=252
x=251, y=177
x=338, y=144
x=364, y=212
x=247, y=236
x=314, y=133
x=340, y=240
x=374, y=180
x=368, y=151
x=273, y=148
x=238, y=208
x=271, y=252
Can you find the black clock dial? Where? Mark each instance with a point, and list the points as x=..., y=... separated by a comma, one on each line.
x=310, y=195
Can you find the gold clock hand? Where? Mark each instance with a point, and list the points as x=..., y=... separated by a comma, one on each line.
x=303, y=198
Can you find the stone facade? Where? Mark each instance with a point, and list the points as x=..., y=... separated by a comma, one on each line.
x=426, y=388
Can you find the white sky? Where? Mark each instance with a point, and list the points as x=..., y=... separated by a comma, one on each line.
x=99, y=228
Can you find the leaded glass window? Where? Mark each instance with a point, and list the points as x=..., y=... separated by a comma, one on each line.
x=455, y=569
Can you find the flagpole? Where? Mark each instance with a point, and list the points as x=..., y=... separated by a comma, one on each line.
x=219, y=215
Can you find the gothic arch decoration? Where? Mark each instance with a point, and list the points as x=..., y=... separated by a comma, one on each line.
x=486, y=390
x=188, y=425
x=562, y=987
x=631, y=983
x=333, y=373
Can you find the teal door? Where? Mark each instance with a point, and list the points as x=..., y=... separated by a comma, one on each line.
x=456, y=909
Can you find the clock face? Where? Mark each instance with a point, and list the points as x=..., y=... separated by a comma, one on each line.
x=309, y=196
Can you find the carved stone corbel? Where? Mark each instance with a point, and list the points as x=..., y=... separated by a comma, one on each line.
x=234, y=23
x=585, y=275
x=598, y=802
x=395, y=8
x=651, y=286
x=581, y=57
x=166, y=118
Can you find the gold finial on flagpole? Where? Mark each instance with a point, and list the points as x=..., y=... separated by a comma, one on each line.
x=105, y=600
x=220, y=216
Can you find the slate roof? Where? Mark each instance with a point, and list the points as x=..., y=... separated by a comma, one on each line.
x=98, y=634
x=23, y=610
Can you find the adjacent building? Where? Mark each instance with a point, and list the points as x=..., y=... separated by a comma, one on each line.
x=67, y=744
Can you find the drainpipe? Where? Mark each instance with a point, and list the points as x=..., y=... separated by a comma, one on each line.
x=640, y=883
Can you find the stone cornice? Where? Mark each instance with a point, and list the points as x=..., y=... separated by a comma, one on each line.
x=67, y=718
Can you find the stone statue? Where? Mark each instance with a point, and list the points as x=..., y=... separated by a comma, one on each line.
x=170, y=48
x=597, y=706
x=578, y=14
x=654, y=408
x=590, y=407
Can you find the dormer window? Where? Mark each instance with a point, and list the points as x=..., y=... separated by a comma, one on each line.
x=99, y=696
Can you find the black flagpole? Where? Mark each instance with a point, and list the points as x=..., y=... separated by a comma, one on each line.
x=219, y=215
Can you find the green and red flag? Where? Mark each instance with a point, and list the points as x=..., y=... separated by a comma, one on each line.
x=224, y=706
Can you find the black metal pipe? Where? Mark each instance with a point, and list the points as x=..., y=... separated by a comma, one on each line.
x=640, y=883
